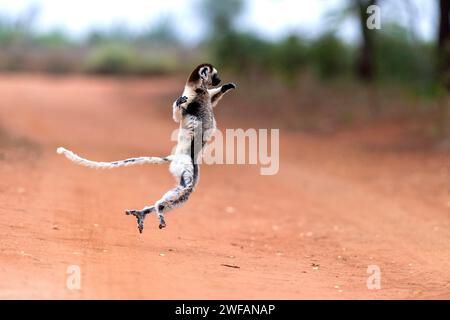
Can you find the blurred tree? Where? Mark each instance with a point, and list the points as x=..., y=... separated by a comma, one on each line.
x=330, y=56
x=288, y=57
x=243, y=53
x=56, y=37
x=19, y=28
x=117, y=33
x=111, y=58
x=366, y=63
x=401, y=59
x=230, y=49
x=162, y=32
x=444, y=42
x=7, y=30
x=366, y=57
x=221, y=15
x=444, y=64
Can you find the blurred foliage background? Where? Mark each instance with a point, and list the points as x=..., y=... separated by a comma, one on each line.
x=389, y=72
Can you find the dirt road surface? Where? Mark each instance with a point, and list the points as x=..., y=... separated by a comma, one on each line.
x=340, y=203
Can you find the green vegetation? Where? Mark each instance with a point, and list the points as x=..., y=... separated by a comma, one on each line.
x=114, y=51
x=330, y=57
x=118, y=58
x=397, y=57
x=403, y=61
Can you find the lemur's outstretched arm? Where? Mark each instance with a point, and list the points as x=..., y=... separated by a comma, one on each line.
x=217, y=93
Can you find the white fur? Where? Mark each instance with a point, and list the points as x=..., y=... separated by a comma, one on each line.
x=108, y=165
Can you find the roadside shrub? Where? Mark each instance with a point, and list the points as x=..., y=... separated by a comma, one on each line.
x=288, y=58
x=241, y=52
x=330, y=57
x=112, y=58
x=404, y=61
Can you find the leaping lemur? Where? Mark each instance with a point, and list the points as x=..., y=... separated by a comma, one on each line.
x=194, y=111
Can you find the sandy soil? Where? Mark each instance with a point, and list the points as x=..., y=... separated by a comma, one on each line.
x=340, y=203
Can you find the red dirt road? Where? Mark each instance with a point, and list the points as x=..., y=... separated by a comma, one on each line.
x=339, y=203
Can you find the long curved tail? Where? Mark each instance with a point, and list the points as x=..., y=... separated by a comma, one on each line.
x=114, y=164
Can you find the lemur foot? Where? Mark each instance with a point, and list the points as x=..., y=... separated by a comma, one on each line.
x=162, y=222
x=140, y=216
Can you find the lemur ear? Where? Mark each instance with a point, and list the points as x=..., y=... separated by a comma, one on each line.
x=203, y=72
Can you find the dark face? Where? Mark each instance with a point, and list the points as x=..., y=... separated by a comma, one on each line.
x=215, y=79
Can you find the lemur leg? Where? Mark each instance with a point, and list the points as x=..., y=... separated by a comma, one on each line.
x=186, y=173
x=217, y=93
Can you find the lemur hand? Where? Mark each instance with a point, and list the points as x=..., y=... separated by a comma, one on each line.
x=228, y=86
x=181, y=100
